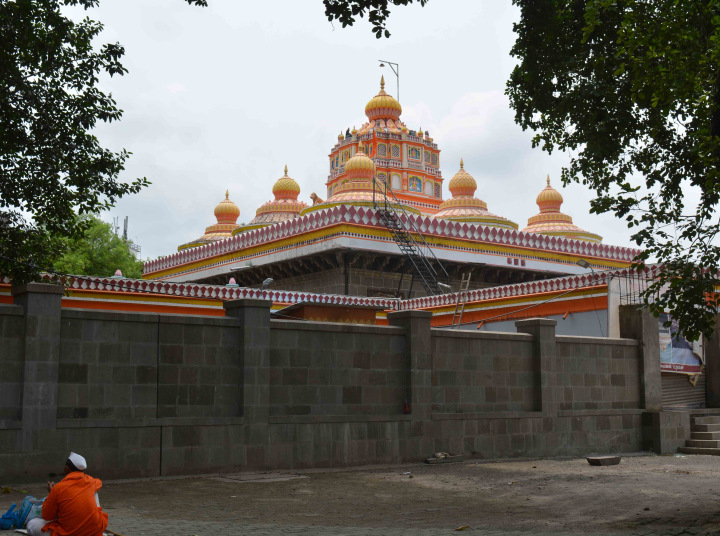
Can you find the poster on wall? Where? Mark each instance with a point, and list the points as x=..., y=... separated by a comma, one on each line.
x=677, y=354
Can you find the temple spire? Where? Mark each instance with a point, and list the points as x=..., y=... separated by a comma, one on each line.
x=286, y=170
x=548, y=179
x=382, y=82
x=462, y=164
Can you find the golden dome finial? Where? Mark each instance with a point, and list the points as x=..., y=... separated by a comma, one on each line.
x=227, y=194
x=382, y=82
x=286, y=170
x=462, y=165
x=548, y=179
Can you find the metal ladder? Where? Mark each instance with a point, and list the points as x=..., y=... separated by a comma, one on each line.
x=417, y=251
x=461, y=300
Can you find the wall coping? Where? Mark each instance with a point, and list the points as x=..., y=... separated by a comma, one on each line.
x=487, y=335
x=10, y=424
x=336, y=327
x=37, y=288
x=162, y=318
x=595, y=340
x=12, y=310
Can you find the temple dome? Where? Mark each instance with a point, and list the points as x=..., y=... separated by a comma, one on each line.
x=227, y=211
x=226, y=214
x=462, y=183
x=357, y=187
x=284, y=207
x=360, y=166
x=383, y=105
x=465, y=207
x=286, y=187
x=550, y=221
x=549, y=200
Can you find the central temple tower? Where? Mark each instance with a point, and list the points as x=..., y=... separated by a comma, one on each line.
x=406, y=160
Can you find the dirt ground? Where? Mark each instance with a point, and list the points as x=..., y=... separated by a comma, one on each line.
x=548, y=495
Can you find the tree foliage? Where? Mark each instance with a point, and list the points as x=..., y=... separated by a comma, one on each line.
x=98, y=252
x=377, y=11
x=52, y=166
x=631, y=89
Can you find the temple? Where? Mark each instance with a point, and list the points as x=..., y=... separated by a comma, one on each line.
x=343, y=245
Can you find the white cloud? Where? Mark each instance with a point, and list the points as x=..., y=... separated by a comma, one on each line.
x=175, y=87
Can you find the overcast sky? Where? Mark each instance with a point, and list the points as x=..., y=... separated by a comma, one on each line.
x=223, y=97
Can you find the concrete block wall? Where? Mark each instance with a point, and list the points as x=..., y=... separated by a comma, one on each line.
x=336, y=369
x=12, y=339
x=595, y=373
x=108, y=365
x=143, y=395
x=483, y=372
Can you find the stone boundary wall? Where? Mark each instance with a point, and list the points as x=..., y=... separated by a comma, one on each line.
x=158, y=394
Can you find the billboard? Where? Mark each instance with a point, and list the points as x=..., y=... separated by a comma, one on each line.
x=677, y=354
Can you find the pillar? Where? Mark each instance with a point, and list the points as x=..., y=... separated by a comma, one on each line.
x=41, y=303
x=638, y=323
x=712, y=366
x=547, y=397
x=254, y=316
x=419, y=350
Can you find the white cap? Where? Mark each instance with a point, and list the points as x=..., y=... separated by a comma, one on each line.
x=78, y=461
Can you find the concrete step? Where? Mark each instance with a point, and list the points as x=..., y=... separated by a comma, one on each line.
x=705, y=435
x=705, y=428
x=712, y=419
x=695, y=450
x=703, y=443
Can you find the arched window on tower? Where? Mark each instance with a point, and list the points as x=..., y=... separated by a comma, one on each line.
x=396, y=182
x=429, y=188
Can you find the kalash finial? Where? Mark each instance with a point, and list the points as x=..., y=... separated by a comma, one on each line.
x=286, y=170
x=227, y=194
x=382, y=82
x=462, y=165
x=548, y=179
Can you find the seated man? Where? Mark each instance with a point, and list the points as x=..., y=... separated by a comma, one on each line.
x=71, y=507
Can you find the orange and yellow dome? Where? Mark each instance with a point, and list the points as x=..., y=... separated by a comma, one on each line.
x=383, y=105
x=227, y=211
x=226, y=214
x=465, y=207
x=286, y=187
x=360, y=166
x=284, y=207
x=550, y=221
x=462, y=183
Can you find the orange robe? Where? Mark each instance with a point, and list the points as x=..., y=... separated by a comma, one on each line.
x=71, y=505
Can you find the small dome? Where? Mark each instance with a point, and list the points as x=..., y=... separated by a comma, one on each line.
x=550, y=221
x=462, y=183
x=549, y=200
x=465, y=207
x=382, y=105
x=227, y=211
x=286, y=187
x=360, y=166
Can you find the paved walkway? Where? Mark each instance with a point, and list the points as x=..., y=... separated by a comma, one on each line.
x=144, y=527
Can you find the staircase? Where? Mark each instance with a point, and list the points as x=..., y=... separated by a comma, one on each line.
x=416, y=250
x=705, y=436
